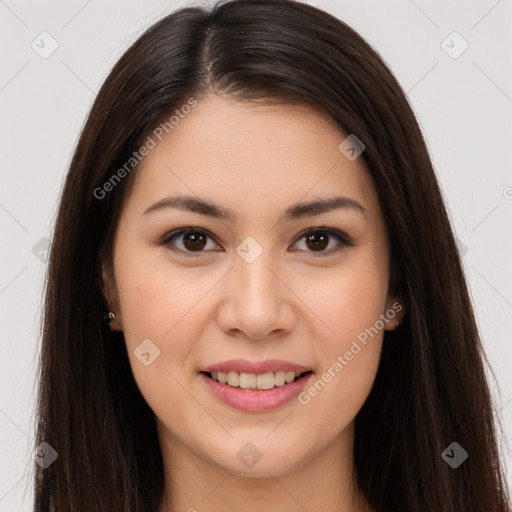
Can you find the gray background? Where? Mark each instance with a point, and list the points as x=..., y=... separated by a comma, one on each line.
x=464, y=106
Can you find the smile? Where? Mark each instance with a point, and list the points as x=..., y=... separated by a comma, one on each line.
x=252, y=398
x=263, y=381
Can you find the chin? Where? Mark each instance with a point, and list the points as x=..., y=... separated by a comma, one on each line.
x=260, y=457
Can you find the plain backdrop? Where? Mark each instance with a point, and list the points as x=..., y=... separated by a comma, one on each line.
x=461, y=96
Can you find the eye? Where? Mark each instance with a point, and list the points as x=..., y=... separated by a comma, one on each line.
x=195, y=240
x=191, y=239
x=318, y=239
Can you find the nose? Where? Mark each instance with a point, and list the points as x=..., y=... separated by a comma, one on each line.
x=256, y=301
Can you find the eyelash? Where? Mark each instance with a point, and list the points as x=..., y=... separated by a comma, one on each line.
x=334, y=233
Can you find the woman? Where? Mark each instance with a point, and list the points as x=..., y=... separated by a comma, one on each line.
x=255, y=298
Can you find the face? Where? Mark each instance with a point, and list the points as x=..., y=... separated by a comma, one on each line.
x=261, y=286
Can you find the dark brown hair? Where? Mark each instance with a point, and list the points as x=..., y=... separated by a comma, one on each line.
x=430, y=389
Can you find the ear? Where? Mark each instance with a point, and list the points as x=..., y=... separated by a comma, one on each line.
x=110, y=294
x=395, y=311
x=396, y=304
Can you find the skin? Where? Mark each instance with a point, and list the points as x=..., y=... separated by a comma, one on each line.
x=291, y=303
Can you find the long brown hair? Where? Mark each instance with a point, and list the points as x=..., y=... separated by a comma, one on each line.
x=430, y=389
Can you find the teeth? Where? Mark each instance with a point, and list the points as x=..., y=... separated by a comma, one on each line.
x=249, y=380
x=233, y=379
x=254, y=381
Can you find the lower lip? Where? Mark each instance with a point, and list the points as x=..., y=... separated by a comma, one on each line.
x=256, y=401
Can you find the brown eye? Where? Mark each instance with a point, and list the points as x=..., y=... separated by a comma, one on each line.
x=194, y=240
x=189, y=240
x=318, y=239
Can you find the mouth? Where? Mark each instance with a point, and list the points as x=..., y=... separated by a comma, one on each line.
x=256, y=386
x=257, y=382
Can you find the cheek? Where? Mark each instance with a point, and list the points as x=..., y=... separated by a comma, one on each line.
x=346, y=302
x=350, y=305
x=157, y=301
x=166, y=310
x=350, y=359
x=339, y=393
x=170, y=308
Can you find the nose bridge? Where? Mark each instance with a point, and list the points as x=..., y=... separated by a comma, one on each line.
x=256, y=302
x=256, y=279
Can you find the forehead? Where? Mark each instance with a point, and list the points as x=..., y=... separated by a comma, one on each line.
x=251, y=156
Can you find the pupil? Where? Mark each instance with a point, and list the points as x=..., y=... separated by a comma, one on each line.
x=191, y=240
x=321, y=240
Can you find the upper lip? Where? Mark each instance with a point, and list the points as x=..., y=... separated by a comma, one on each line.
x=257, y=367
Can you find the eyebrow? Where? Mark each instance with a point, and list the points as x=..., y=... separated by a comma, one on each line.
x=296, y=211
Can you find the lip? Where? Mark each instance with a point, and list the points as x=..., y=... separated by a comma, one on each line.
x=257, y=367
x=256, y=400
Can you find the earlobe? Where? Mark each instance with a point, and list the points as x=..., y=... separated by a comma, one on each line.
x=111, y=299
x=113, y=323
x=395, y=311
